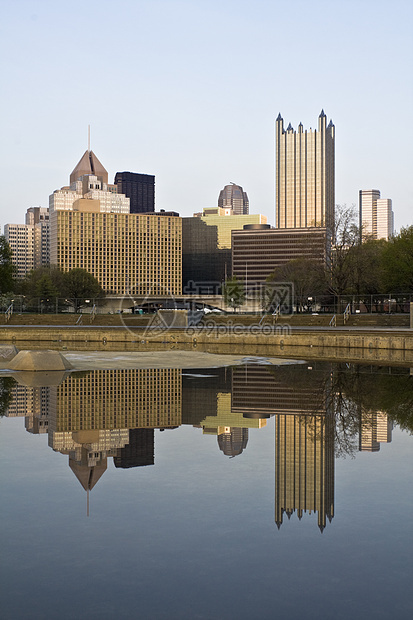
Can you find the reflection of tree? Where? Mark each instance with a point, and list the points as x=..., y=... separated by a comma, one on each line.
x=348, y=393
x=6, y=384
x=390, y=391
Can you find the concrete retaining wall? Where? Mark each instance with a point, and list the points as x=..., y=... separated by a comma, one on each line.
x=340, y=344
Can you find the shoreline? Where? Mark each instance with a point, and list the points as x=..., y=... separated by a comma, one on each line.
x=353, y=344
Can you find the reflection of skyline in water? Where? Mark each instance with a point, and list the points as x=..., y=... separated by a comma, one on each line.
x=93, y=416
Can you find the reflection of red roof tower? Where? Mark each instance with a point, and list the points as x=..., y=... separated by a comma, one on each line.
x=89, y=164
x=88, y=476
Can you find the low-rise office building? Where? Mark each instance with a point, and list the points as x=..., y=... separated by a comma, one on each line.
x=258, y=250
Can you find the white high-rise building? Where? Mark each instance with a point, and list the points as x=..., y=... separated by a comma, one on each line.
x=21, y=239
x=89, y=180
x=30, y=242
x=376, y=215
x=385, y=227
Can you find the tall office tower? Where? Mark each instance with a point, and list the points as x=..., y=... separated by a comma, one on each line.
x=385, y=218
x=376, y=215
x=89, y=180
x=39, y=218
x=304, y=175
x=234, y=197
x=30, y=242
x=139, y=188
x=36, y=215
x=127, y=253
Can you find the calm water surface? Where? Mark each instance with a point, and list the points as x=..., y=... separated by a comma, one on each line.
x=252, y=492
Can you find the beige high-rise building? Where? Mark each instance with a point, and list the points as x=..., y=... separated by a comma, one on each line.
x=376, y=215
x=304, y=174
x=126, y=252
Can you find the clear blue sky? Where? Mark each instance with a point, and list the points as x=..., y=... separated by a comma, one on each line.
x=189, y=91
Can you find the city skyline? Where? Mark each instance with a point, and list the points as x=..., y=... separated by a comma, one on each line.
x=198, y=136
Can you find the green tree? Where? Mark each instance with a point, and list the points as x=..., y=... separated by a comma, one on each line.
x=234, y=292
x=307, y=276
x=366, y=264
x=78, y=286
x=346, y=235
x=397, y=262
x=45, y=284
x=7, y=268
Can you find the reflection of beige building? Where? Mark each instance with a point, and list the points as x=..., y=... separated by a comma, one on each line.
x=304, y=173
x=231, y=427
x=117, y=399
x=375, y=428
x=226, y=221
x=93, y=416
x=304, y=467
x=267, y=390
x=126, y=253
x=32, y=403
x=226, y=418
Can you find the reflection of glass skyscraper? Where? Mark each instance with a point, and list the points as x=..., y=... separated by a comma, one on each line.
x=232, y=441
x=304, y=444
x=304, y=467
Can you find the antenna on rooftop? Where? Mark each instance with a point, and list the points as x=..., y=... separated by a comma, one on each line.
x=88, y=137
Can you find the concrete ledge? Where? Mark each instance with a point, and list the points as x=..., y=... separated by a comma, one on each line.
x=395, y=345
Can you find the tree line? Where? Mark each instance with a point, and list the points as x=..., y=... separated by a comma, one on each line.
x=359, y=266
x=76, y=287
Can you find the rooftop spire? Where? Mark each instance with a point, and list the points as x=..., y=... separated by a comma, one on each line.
x=89, y=164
